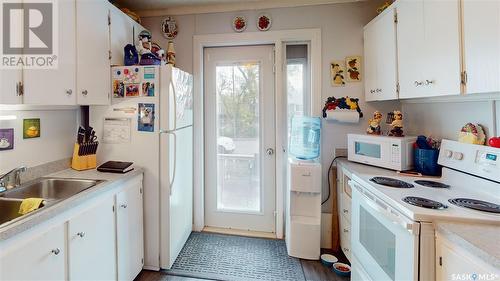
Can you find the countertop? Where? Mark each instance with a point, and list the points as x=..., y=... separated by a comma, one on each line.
x=46, y=213
x=479, y=239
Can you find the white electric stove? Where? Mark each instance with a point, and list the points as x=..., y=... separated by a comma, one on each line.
x=393, y=215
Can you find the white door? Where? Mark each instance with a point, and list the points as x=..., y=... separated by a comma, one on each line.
x=91, y=240
x=240, y=138
x=93, y=64
x=481, y=32
x=129, y=230
x=56, y=86
x=42, y=257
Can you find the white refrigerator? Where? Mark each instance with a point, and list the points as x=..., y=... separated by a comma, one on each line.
x=150, y=123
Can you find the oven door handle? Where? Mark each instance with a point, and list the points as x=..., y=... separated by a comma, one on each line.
x=411, y=227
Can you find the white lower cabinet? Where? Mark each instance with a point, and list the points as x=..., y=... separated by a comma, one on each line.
x=344, y=209
x=91, y=243
x=129, y=238
x=455, y=263
x=101, y=239
x=35, y=258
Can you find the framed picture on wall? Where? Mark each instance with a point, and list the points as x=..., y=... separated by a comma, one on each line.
x=337, y=73
x=353, y=64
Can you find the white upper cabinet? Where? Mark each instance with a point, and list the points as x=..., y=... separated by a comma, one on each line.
x=93, y=41
x=380, y=58
x=10, y=79
x=122, y=33
x=56, y=86
x=481, y=37
x=91, y=241
x=428, y=40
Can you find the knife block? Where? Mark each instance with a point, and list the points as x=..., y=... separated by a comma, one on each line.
x=83, y=162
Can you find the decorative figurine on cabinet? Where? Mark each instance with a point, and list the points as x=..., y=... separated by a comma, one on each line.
x=374, y=124
x=397, y=124
x=144, y=46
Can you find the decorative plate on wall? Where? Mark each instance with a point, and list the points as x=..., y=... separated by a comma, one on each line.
x=239, y=23
x=169, y=28
x=264, y=22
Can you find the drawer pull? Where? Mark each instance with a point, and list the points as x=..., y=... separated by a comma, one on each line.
x=81, y=234
x=346, y=230
x=418, y=83
x=346, y=250
x=69, y=92
x=345, y=211
x=56, y=251
x=85, y=92
x=124, y=206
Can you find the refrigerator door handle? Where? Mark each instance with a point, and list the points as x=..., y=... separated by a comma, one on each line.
x=175, y=163
x=175, y=105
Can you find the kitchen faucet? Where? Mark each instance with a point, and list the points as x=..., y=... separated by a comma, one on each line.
x=11, y=179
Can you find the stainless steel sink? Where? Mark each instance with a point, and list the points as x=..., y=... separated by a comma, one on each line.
x=9, y=210
x=50, y=188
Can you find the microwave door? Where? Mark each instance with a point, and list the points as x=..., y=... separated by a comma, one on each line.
x=385, y=244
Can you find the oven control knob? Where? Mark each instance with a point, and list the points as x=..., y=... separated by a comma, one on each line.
x=448, y=153
x=458, y=156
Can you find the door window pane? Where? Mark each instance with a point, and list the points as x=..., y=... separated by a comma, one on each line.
x=379, y=241
x=238, y=140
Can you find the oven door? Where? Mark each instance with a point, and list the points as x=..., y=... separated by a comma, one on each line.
x=384, y=242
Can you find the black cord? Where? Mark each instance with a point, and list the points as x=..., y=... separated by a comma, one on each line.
x=328, y=177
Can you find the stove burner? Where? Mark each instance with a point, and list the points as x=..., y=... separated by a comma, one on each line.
x=391, y=182
x=424, y=203
x=433, y=184
x=476, y=205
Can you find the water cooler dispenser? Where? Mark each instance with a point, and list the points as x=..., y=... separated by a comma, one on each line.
x=303, y=194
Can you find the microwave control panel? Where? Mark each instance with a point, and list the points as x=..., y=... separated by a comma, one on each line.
x=395, y=153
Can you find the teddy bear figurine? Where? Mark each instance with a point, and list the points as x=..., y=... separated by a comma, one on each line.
x=144, y=46
x=397, y=125
x=374, y=124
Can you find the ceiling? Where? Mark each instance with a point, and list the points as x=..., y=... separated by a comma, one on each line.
x=173, y=7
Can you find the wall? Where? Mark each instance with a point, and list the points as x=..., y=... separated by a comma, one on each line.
x=445, y=119
x=342, y=35
x=58, y=133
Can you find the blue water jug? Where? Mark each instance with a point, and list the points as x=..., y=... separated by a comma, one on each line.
x=305, y=137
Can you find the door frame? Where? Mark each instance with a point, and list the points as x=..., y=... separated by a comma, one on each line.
x=277, y=38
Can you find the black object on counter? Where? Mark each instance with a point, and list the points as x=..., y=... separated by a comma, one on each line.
x=115, y=167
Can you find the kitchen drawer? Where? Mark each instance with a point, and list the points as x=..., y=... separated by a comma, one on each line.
x=345, y=242
x=305, y=178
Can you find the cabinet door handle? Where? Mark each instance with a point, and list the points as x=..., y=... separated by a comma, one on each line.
x=85, y=92
x=56, y=251
x=418, y=83
x=346, y=250
x=124, y=206
x=69, y=92
x=345, y=211
x=371, y=91
x=428, y=82
x=346, y=230
x=81, y=234
x=379, y=90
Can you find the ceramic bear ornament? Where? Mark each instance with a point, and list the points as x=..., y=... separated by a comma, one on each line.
x=374, y=124
x=144, y=45
x=397, y=124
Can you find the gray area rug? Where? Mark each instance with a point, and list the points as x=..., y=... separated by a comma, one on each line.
x=236, y=258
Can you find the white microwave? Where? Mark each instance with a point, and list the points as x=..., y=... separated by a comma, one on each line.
x=394, y=153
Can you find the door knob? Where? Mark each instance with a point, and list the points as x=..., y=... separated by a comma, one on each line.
x=269, y=151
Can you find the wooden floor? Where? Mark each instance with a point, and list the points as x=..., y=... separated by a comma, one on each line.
x=313, y=271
